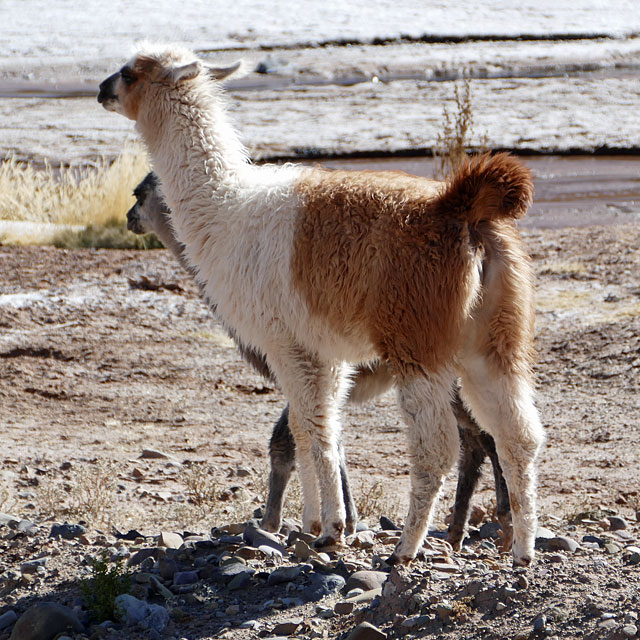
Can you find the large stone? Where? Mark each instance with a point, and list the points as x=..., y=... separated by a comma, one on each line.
x=44, y=621
x=562, y=543
x=366, y=631
x=134, y=611
x=366, y=580
x=321, y=585
x=284, y=574
x=170, y=540
x=7, y=619
x=257, y=537
x=67, y=531
x=287, y=627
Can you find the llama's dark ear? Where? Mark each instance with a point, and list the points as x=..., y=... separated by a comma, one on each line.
x=222, y=73
x=186, y=72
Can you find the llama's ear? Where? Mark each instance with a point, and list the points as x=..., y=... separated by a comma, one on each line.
x=186, y=72
x=222, y=73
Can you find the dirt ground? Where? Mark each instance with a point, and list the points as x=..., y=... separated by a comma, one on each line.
x=109, y=356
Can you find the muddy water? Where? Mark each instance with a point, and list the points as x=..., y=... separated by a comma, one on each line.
x=571, y=191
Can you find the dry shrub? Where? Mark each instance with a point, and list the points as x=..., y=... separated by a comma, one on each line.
x=96, y=195
x=454, y=142
x=373, y=501
x=88, y=495
x=203, y=490
x=7, y=501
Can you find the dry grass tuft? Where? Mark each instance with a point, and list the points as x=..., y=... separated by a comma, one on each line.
x=373, y=501
x=454, y=142
x=96, y=196
x=88, y=495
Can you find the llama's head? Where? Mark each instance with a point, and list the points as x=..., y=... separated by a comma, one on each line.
x=147, y=214
x=126, y=91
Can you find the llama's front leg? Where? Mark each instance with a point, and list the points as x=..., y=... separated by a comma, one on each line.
x=434, y=445
x=316, y=392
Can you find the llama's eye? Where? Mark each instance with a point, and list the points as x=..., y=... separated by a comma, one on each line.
x=127, y=77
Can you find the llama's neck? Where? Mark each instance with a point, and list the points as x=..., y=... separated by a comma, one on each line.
x=192, y=142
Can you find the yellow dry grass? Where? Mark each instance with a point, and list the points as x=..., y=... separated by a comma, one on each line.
x=92, y=195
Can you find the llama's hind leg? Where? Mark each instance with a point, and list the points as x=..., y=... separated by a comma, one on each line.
x=503, y=506
x=282, y=456
x=469, y=470
x=503, y=405
x=349, y=503
x=434, y=445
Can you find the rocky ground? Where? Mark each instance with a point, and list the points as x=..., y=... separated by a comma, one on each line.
x=126, y=411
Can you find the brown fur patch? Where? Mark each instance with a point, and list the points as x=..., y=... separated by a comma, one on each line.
x=373, y=257
x=391, y=257
x=505, y=318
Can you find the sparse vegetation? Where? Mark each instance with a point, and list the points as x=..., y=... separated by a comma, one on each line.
x=96, y=197
x=111, y=235
x=88, y=495
x=101, y=590
x=372, y=501
x=454, y=142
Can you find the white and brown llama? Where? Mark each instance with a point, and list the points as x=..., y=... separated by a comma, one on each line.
x=321, y=270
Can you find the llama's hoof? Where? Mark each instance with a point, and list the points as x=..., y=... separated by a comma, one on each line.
x=522, y=558
x=396, y=559
x=454, y=538
x=313, y=527
x=350, y=527
x=327, y=543
x=270, y=525
x=505, y=533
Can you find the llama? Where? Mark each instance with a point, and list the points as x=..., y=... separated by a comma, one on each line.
x=321, y=270
x=151, y=214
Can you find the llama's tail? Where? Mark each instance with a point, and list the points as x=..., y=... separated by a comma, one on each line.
x=488, y=187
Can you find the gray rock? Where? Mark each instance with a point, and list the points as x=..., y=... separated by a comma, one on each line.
x=365, y=580
x=27, y=527
x=32, y=566
x=631, y=555
x=539, y=623
x=321, y=585
x=8, y=520
x=67, y=531
x=630, y=630
x=593, y=540
x=7, y=619
x=542, y=538
x=562, y=543
x=284, y=574
x=490, y=530
x=257, y=537
x=235, y=568
x=366, y=631
x=612, y=548
x=363, y=540
x=444, y=610
x=387, y=524
x=287, y=627
x=134, y=611
x=170, y=540
x=249, y=624
x=185, y=577
x=44, y=621
x=240, y=581
x=616, y=523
